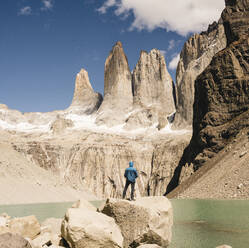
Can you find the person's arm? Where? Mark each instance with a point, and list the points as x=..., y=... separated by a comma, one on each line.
x=136, y=174
x=125, y=174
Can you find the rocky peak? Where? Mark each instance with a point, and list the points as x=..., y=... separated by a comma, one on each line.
x=195, y=56
x=152, y=84
x=153, y=92
x=117, y=74
x=118, y=96
x=82, y=87
x=85, y=100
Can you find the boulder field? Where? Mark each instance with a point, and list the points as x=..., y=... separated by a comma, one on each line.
x=117, y=223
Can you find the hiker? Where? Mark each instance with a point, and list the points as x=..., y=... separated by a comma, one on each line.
x=130, y=175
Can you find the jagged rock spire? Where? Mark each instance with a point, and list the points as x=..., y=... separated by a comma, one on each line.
x=117, y=74
x=85, y=100
x=118, y=96
x=152, y=83
x=153, y=92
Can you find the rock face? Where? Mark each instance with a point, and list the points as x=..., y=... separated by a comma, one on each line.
x=146, y=221
x=152, y=89
x=152, y=84
x=118, y=96
x=162, y=175
x=85, y=100
x=10, y=240
x=195, y=56
x=60, y=125
x=85, y=228
x=221, y=107
x=98, y=161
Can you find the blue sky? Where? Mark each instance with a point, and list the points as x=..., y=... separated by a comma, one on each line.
x=45, y=43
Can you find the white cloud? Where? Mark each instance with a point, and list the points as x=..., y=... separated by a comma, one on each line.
x=47, y=5
x=106, y=5
x=174, y=62
x=181, y=16
x=171, y=44
x=163, y=52
x=25, y=11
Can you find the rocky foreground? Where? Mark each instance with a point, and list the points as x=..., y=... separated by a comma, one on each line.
x=144, y=223
x=117, y=224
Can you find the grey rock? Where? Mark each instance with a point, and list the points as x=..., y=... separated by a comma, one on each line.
x=10, y=240
x=195, y=56
x=153, y=92
x=60, y=125
x=85, y=228
x=147, y=220
x=118, y=96
x=85, y=100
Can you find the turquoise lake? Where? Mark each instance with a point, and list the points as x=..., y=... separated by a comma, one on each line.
x=197, y=223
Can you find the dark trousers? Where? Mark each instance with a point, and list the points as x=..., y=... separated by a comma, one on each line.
x=127, y=183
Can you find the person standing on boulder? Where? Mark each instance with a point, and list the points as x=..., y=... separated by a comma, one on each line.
x=130, y=175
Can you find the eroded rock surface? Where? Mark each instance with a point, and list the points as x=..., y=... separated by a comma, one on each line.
x=221, y=107
x=195, y=56
x=85, y=100
x=147, y=220
x=221, y=98
x=10, y=240
x=27, y=227
x=118, y=96
x=152, y=89
x=85, y=228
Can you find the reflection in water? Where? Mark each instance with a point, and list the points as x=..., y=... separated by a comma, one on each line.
x=197, y=223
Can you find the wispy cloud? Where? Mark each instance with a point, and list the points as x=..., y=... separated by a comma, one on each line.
x=27, y=10
x=47, y=5
x=107, y=4
x=171, y=45
x=163, y=52
x=182, y=17
x=174, y=62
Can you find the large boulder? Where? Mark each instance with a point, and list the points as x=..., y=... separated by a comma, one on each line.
x=52, y=227
x=27, y=227
x=10, y=240
x=147, y=220
x=83, y=228
x=41, y=240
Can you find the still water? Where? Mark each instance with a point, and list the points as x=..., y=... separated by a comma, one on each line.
x=197, y=223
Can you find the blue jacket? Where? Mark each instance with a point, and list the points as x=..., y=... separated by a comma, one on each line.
x=131, y=173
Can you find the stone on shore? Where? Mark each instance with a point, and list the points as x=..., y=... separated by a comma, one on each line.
x=224, y=246
x=11, y=240
x=53, y=227
x=27, y=227
x=83, y=228
x=149, y=246
x=147, y=220
x=41, y=240
x=82, y=203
